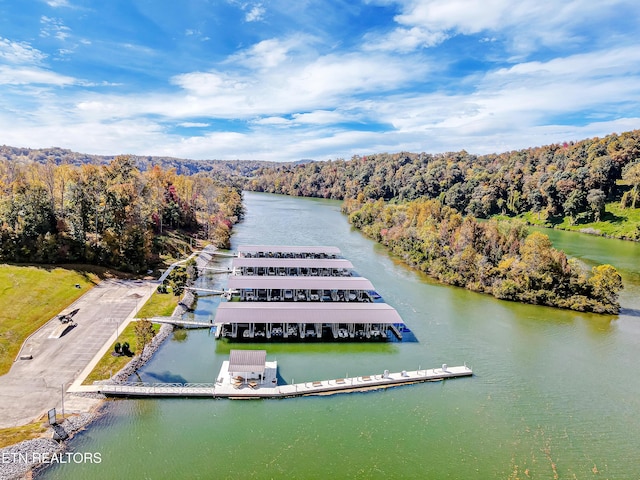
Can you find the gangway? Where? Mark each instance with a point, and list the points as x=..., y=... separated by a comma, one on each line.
x=179, y=322
x=217, y=269
x=207, y=290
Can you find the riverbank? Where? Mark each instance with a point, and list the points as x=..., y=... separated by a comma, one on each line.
x=16, y=461
x=19, y=459
x=617, y=222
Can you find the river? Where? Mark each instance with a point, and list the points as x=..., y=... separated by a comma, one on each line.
x=555, y=394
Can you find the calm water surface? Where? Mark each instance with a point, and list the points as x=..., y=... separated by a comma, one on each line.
x=555, y=394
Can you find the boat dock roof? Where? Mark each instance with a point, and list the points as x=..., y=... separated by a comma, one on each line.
x=315, y=250
x=247, y=360
x=306, y=312
x=291, y=262
x=239, y=282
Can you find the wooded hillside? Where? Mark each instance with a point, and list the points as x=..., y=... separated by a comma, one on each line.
x=573, y=179
x=112, y=215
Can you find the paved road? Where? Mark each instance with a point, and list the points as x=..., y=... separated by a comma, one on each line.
x=28, y=390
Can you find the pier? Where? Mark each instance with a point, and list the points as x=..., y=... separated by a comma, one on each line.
x=179, y=322
x=234, y=388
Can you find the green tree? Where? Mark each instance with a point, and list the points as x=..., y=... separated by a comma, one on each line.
x=144, y=333
x=596, y=200
x=631, y=175
x=606, y=282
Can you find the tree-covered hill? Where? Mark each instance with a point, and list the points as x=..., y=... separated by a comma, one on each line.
x=572, y=179
x=107, y=214
x=231, y=172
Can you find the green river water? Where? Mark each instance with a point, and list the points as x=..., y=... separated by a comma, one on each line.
x=555, y=394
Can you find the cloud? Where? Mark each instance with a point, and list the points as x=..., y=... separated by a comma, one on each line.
x=193, y=124
x=255, y=14
x=523, y=25
x=58, y=3
x=54, y=27
x=19, y=52
x=32, y=75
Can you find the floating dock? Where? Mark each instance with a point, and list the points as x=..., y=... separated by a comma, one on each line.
x=228, y=387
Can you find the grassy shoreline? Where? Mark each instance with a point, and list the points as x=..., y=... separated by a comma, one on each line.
x=109, y=364
x=617, y=222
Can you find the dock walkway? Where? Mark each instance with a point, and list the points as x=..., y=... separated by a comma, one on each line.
x=223, y=388
x=179, y=322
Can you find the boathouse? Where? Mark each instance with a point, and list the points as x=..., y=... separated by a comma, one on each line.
x=280, y=251
x=307, y=320
x=320, y=267
x=301, y=293
x=295, y=289
x=247, y=364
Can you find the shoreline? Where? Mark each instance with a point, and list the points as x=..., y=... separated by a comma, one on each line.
x=30, y=457
x=35, y=455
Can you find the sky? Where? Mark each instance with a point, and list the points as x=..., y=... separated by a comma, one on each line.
x=286, y=80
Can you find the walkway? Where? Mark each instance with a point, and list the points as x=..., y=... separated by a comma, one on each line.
x=224, y=388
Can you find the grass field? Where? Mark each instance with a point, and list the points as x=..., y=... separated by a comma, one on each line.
x=31, y=296
x=13, y=435
x=159, y=305
x=617, y=222
x=109, y=365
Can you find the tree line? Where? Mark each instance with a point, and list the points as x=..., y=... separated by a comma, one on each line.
x=113, y=214
x=572, y=179
x=495, y=257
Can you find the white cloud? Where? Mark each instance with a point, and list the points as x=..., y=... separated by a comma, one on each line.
x=255, y=14
x=32, y=75
x=193, y=124
x=524, y=24
x=58, y=3
x=19, y=52
x=54, y=27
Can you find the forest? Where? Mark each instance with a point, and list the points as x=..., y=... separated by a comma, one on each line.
x=496, y=257
x=113, y=214
x=573, y=179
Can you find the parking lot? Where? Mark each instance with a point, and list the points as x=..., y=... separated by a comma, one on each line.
x=34, y=386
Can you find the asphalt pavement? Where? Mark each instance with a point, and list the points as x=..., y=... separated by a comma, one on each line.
x=34, y=386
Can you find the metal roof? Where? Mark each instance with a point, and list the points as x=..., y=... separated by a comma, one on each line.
x=292, y=262
x=305, y=312
x=288, y=249
x=247, y=361
x=239, y=282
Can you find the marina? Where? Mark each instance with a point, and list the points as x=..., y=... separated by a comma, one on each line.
x=302, y=293
x=541, y=388
x=233, y=385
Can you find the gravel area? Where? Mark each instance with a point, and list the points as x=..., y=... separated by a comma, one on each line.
x=16, y=461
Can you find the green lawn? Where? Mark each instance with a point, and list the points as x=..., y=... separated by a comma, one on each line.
x=617, y=222
x=110, y=365
x=13, y=435
x=159, y=305
x=31, y=296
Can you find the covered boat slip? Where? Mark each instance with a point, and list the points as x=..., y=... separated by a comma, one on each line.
x=283, y=251
x=321, y=267
x=290, y=321
x=300, y=289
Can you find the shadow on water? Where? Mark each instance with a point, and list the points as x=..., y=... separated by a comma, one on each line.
x=164, y=377
x=631, y=312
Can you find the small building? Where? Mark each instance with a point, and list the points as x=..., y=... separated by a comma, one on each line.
x=247, y=364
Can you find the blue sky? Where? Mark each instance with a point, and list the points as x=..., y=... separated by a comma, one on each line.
x=306, y=79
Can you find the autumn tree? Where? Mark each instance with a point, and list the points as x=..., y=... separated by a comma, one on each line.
x=144, y=333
